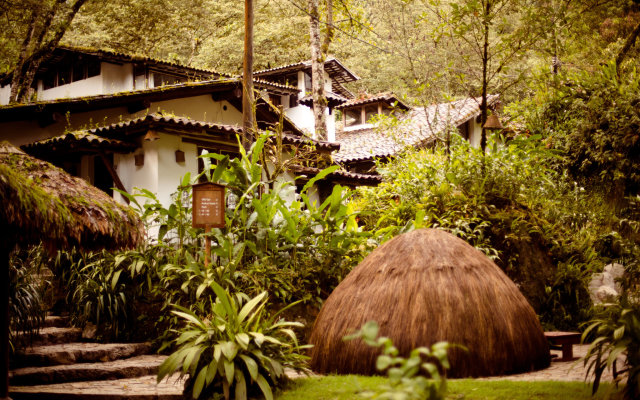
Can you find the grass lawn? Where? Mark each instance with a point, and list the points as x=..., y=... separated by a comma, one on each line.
x=347, y=387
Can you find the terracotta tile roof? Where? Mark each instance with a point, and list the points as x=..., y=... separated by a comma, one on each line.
x=83, y=139
x=334, y=68
x=164, y=120
x=334, y=100
x=320, y=144
x=389, y=98
x=417, y=127
x=341, y=176
x=136, y=58
x=103, y=137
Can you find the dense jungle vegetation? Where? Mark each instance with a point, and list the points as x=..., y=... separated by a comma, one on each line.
x=552, y=202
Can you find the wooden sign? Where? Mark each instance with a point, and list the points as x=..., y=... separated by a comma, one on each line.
x=208, y=205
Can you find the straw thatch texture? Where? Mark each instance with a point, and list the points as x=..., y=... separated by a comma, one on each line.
x=423, y=287
x=41, y=202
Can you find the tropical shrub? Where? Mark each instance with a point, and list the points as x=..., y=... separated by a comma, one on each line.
x=421, y=376
x=543, y=229
x=26, y=291
x=236, y=349
x=275, y=240
x=617, y=332
x=592, y=118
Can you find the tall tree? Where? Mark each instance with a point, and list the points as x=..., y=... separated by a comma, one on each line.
x=248, y=118
x=319, y=50
x=47, y=22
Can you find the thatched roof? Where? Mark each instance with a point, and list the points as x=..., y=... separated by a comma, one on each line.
x=41, y=202
x=423, y=287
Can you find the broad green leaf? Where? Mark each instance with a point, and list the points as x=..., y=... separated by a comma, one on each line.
x=250, y=305
x=229, y=370
x=200, y=380
x=264, y=387
x=252, y=366
x=241, y=386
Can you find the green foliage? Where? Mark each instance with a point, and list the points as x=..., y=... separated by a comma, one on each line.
x=275, y=240
x=26, y=291
x=236, y=349
x=593, y=119
x=543, y=229
x=105, y=288
x=348, y=387
x=421, y=376
x=617, y=333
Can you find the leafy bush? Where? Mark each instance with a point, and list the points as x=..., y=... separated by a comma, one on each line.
x=237, y=348
x=421, y=376
x=544, y=230
x=26, y=308
x=617, y=332
x=593, y=118
x=290, y=245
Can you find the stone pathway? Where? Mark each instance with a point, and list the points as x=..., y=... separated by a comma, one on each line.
x=140, y=388
x=60, y=366
x=559, y=370
x=147, y=388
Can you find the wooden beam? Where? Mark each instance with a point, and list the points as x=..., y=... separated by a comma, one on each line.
x=114, y=174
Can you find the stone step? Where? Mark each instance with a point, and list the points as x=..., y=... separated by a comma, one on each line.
x=70, y=353
x=118, y=369
x=56, y=321
x=57, y=335
x=140, y=388
x=50, y=335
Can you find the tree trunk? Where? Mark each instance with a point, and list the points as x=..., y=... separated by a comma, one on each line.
x=35, y=50
x=627, y=46
x=485, y=64
x=317, y=73
x=248, y=120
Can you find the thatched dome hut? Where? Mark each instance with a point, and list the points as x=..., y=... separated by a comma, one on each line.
x=428, y=286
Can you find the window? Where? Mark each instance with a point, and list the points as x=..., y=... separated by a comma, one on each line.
x=93, y=68
x=50, y=80
x=307, y=82
x=160, y=79
x=276, y=100
x=352, y=117
x=291, y=80
x=72, y=70
x=64, y=75
x=370, y=111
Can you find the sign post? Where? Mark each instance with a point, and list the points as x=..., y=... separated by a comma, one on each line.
x=208, y=211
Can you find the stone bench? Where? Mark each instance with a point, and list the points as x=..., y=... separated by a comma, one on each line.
x=565, y=341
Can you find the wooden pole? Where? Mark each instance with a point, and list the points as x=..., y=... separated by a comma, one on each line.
x=207, y=247
x=247, y=77
x=5, y=249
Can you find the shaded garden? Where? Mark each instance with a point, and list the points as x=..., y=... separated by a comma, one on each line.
x=551, y=206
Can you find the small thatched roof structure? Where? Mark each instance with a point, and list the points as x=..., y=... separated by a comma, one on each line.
x=428, y=286
x=41, y=202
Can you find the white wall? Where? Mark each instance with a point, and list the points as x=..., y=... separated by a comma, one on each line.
x=116, y=78
x=302, y=116
x=475, y=132
x=200, y=108
x=132, y=176
x=5, y=93
x=170, y=172
x=85, y=87
x=160, y=174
